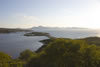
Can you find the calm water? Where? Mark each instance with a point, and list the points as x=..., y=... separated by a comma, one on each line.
x=15, y=43
x=71, y=33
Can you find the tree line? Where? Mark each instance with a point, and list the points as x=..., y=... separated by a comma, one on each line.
x=59, y=53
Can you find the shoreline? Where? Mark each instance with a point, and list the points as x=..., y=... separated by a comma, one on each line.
x=12, y=30
x=90, y=40
x=39, y=34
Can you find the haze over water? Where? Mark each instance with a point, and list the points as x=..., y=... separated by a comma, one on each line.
x=71, y=33
x=15, y=43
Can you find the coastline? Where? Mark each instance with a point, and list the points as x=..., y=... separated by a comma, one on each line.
x=12, y=30
x=88, y=40
x=45, y=42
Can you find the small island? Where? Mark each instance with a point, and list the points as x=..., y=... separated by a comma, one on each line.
x=38, y=34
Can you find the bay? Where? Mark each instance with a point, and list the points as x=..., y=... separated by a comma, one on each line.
x=14, y=43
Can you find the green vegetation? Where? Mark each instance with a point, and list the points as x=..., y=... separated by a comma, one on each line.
x=92, y=40
x=57, y=53
x=38, y=34
x=26, y=55
x=4, y=57
x=67, y=53
x=7, y=61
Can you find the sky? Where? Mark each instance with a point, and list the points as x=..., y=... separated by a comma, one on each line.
x=52, y=13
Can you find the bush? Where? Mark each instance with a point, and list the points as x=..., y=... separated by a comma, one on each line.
x=26, y=55
x=67, y=53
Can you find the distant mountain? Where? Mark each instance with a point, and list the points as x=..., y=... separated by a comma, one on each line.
x=42, y=27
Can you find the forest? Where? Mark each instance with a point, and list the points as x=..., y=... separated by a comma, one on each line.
x=58, y=52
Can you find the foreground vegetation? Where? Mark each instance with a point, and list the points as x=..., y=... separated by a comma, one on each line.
x=58, y=53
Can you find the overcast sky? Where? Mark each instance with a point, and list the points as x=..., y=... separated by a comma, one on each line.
x=52, y=13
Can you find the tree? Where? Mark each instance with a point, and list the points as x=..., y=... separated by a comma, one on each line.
x=4, y=59
x=67, y=53
x=26, y=55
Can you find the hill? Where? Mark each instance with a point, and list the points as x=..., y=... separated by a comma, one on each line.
x=9, y=30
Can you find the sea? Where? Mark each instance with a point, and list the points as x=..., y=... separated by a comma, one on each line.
x=71, y=33
x=14, y=43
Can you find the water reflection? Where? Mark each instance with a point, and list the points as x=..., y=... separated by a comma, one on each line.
x=71, y=33
x=15, y=43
